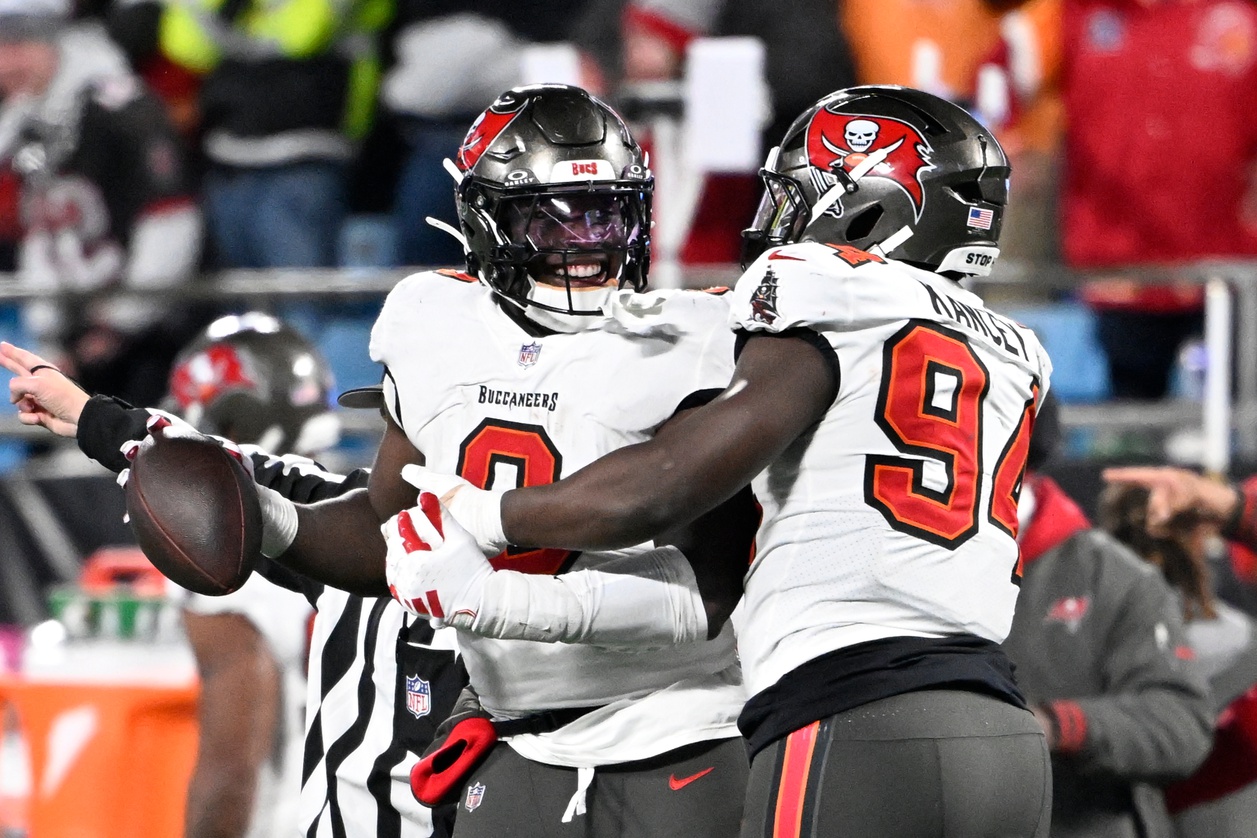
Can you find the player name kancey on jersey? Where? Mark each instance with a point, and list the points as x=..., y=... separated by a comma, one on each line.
x=997, y=328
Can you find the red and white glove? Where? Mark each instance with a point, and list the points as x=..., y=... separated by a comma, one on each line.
x=433, y=566
x=169, y=426
x=477, y=510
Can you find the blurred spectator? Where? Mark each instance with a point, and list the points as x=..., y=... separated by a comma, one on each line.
x=958, y=49
x=288, y=88
x=1100, y=653
x=806, y=57
x=1220, y=799
x=134, y=26
x=1185, y=73
x=453, y=57
x=104, y=198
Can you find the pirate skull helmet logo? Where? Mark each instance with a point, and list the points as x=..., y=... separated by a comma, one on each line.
x=860, y=134
x=866, y=145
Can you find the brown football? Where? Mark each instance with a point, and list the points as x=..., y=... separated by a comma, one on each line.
x=194, y=511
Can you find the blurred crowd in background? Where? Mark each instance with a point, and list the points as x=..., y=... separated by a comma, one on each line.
x=150, y=144
x=144, y=143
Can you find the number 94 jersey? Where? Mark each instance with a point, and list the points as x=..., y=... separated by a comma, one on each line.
x=898, y=515
x=482, y=398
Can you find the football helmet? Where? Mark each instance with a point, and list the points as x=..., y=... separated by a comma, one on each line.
x=891, y=170
x=253, y=379
x=554, y=203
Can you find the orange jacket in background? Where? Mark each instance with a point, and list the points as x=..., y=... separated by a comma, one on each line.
x=939, y=46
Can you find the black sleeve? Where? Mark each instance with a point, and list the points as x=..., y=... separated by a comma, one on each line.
x=107, y=424
x=302, y=480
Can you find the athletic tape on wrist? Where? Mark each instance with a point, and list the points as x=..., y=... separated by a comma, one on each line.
x=279, y=519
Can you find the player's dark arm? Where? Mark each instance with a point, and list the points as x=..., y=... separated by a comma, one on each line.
x=238, y=713
x=718, y=546
x=338, y=541
x=781, y=387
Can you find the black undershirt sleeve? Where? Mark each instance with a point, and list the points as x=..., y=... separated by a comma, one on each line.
x=105, y=425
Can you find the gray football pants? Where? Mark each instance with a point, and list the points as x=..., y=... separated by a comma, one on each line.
x=691, y=792
x=929, y=764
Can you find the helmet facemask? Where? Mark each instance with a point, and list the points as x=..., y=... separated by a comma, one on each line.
x=781, y=217
x=561, y=252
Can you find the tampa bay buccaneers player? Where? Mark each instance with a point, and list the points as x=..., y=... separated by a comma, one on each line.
x=883, y=414
x=546, y=354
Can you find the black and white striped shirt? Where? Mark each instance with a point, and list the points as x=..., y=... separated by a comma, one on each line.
x=379, y=681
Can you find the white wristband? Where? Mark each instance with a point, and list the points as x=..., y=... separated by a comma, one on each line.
x=279, y=522
x=647, y=598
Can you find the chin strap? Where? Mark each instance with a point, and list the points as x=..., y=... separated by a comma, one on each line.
x=885, y=247
x=447, y=228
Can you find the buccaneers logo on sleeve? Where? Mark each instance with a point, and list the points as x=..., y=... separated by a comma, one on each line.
x=871, y=146
x=764, y=299
x=486, y=129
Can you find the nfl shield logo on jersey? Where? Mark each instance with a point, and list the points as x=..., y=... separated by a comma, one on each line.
x=528, y=354
x=475, y=794
x=418, y=697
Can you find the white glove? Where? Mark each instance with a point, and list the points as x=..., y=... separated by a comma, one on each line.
x=478, y=511
x=433, y=566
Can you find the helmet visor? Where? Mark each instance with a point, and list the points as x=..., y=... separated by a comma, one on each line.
x=572, y=221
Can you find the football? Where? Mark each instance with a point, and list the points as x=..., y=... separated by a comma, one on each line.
x=195, y=513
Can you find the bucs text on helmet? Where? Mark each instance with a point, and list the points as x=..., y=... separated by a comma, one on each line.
x=554, y=203
x=891, y=170
x=255, y=380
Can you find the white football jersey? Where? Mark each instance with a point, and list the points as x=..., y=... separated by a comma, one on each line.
x=483, y=399
x=897, y=516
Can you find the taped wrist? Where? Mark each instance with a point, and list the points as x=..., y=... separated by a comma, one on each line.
x=650, y=598
x=279, y=522
x=480, y=513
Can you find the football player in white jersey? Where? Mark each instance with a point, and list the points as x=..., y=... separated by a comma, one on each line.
x=545, y=355
x=883, y=414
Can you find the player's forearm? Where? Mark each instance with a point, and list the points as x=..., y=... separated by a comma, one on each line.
x=782, y=386
x=623, y=499
x=338, y=543
x=643, y=599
